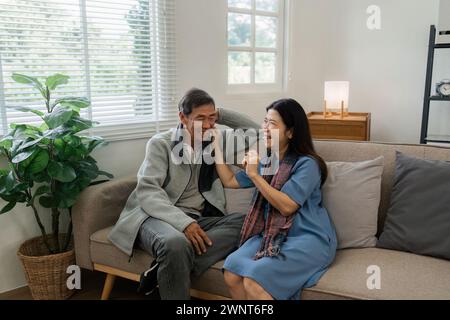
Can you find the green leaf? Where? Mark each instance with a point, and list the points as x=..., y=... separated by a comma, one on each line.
x=6, y=142
x=8, y=207
x=21, y=133
x=75, y=103
x=40, y=177
x=22, y=186
x=48, y=202
x=15, y=196
x=55, y=80
x=43, y=127
x=73, y=140
x=56, y=133
x=78, y=124
x=94, y=142
x=39, y=162
x=41, y=190
x=22, y=156
x=61, y=172
x=25, y=163
x=7, y=182
x=29, y=143
x=26, y=109
x=106, y=174
x=60, y=115
x=24, y=127
x=66, y=200
x=24, y=79
x=24, y=130
x=83, y=182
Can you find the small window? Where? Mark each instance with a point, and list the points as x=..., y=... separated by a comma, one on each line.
x=255, y=39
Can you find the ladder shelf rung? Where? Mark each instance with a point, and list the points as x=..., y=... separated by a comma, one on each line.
x=442, y=46
x=438, y=139
x=439, y=98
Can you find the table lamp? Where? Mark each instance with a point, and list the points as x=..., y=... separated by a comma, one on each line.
x=336, y=97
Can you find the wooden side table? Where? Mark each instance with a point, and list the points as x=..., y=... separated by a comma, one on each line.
x=355, y=126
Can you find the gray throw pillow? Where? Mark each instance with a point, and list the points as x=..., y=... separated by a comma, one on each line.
x=418, y=219
x=352, y=195
x=239, y=200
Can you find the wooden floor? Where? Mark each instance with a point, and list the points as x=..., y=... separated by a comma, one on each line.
x=91, y=288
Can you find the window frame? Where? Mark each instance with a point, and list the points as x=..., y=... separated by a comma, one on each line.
x=279, y=50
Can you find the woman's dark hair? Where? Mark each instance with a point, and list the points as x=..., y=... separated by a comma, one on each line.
x=294, y=117
x=194, y=98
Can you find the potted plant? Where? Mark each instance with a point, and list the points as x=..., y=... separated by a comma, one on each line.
x=49, y=163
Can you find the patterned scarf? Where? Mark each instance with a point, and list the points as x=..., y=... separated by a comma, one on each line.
x=276, y=227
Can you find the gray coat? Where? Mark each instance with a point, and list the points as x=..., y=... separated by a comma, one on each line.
x=161, y=183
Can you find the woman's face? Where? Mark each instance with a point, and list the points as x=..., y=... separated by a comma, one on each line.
x=274, y=126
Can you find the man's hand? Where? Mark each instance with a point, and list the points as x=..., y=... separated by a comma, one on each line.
x=197, y=237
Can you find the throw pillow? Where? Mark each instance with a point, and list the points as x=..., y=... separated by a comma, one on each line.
x=418, y=219
x=352, y=195
x=239, y=200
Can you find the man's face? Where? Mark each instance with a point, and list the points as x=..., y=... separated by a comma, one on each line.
x=205, y=116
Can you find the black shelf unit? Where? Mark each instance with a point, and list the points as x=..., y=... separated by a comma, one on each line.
x=432, y=46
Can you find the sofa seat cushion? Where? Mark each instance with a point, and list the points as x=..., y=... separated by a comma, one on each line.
x=212, y=281
x=105, y=253
x=403, y=276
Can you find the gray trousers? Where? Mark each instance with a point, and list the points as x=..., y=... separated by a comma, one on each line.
x=176, y=256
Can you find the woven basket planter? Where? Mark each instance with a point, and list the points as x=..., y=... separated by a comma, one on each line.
x=46, y=273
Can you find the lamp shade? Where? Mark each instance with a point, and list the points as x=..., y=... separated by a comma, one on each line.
x=336, y=92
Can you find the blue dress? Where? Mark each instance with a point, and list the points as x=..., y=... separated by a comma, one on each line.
x=310, y=246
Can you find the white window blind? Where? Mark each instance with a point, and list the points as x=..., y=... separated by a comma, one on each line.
x=118, y=53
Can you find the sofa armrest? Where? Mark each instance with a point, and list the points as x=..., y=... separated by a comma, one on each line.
x=98, y=207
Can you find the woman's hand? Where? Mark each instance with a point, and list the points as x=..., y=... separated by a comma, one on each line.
x=251, y=164
x=285, y=205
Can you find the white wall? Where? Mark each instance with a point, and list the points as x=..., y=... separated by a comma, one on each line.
x=328, y=41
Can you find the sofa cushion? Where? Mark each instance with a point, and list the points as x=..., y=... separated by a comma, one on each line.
x=351, y=195
x=418, y=219
x=403, y=276
x=105, y=253
x=239, y=200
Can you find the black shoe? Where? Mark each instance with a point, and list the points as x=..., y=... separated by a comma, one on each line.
x=148, y=281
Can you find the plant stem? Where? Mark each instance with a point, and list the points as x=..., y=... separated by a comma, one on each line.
x=69, y=231
x=47, y=99
x=30, y=201
x=41, y=226
x=55, y=228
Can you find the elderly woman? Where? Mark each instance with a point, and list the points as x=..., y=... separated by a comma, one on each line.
x=288, y=240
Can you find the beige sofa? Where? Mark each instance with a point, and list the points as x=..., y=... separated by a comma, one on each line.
x=403, y=275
